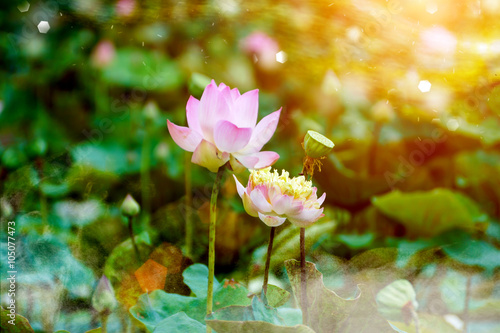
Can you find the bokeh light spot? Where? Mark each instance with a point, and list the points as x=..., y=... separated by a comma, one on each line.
x=452, y=125
x=24, y=7
x=281, y=57
x=424, y=86
x=43, y=27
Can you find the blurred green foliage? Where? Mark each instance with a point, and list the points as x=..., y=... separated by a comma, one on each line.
x=412, y=183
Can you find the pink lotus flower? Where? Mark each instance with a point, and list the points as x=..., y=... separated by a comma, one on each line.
x=263, y=47
x=275, y=198
x=223, y=127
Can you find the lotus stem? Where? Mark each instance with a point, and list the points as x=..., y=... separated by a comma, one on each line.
x=414, y=315
x=104, y=322
x=211, y=242
x=189, y=203
x=268, y=259
x=145, y=177
x=466, y=305
x=303, y=284
x=44, y=211
x=372, y=157
x=131, y=234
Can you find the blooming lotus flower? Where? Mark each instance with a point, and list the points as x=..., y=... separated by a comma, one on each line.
x=275, y=198
x=222, y=126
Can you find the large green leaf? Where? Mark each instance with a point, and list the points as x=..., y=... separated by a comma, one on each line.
x=158, y=305
x=140, y=69
x=473, y=252
x=276, y=296
x=329, y=312
x=196, y=278
x=257, y=317
x=18, y=324
x=179, y=323
x=430, y=213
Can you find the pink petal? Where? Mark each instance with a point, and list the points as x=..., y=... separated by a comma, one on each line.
x=263, y=132
x=186, y=138
x=212, y=108
x=246, y=109
x=192, y=111
x=271, y=221
x=249, y=206
x=306, y=217
x=229, y=137
x=235, y=93
x=257, y=160
x=286, y=205
x=206, y=155
x=322, y=199
x=260, y=202
x=239, y=187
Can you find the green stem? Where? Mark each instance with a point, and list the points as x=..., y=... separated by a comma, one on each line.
x=189, y=203
x=211, y=242
x=104, y=322
x=372, y=155
x=131, y=233
x=303, y=284
x=268, y=259
x=145, y=177
x=44, y=210
x=466, y=305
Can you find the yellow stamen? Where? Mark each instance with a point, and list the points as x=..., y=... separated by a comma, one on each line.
x=298, y=187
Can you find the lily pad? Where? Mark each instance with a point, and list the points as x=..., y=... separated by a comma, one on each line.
x=179, y=323
x=329, y=312
x=431, y=213
x=276, y=296
x=18, y=324
x=257, y=317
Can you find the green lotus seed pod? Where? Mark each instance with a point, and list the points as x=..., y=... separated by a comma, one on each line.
x=104, y=299
x=130, y=207
x=397, y=300
x=317, y=145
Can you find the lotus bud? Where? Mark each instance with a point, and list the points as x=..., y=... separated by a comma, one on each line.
x=130, y=207
x=104, y=299
x=397, y=301
x=317, y=145
x=162, y=151
x=151, y=111
x=37, y=147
